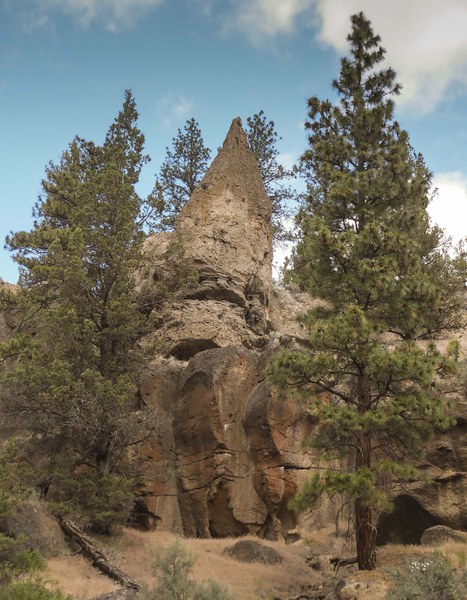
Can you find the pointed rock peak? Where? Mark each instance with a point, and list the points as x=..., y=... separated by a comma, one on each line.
x=235, y=168
x=236, y=134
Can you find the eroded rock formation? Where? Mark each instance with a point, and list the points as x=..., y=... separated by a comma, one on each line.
x=225, y=233
x=228, y=454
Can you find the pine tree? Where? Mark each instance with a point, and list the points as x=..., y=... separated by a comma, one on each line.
x=373, y=373
x=262, y=138
x=181, y=172
x=74, y=360
x=186, y=163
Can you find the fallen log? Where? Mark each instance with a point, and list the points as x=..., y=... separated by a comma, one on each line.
x=96, y=555
x=342, y=562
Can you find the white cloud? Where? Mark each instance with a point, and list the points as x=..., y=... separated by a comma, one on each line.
x=449, y=208
x=425, y=40
x=113, y=14
x=261, y=19
x=174, y=107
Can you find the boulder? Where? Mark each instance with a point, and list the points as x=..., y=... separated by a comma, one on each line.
x=440, y=534
x=355, y=588
x=39, y=529
x=250, y=551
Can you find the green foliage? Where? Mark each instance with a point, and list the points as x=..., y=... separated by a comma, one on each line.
x=262, y=138
x=15, y=478
x=73, y=364
x=431, y=578
x=186, y=163
x=31, y=590
x=17, y=559
x=102, y=501
x=181, y=172
x=374, y=376
x=19, y=566
x=173, y=566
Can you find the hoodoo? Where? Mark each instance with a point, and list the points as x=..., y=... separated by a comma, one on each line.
x=226, y=235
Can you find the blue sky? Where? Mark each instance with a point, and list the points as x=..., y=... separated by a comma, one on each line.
x=64, y=65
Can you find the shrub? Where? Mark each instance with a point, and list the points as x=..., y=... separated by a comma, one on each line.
x=173, y=566
x=432, y=578
x=31, y=590
x=17, y=559
x=211, y=590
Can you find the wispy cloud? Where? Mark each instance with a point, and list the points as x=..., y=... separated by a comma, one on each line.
x=425, y=39
x=261, y=19
x=174, y=108
x=113, y=14
x=450, y=205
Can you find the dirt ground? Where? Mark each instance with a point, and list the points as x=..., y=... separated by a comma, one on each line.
x=132, y=551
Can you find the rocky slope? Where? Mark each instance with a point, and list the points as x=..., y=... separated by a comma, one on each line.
x=228, y=454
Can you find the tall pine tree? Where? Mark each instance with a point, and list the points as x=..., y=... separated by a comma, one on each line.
x=262, y=138
x=186, y=163
x=74, y=360
x=389, y=286
x=181, y=171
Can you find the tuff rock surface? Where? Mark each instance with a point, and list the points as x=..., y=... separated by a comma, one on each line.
x=228, y=454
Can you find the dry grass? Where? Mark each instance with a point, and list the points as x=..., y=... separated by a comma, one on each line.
x=78, y=577
x=246, y=580
x=132, y=552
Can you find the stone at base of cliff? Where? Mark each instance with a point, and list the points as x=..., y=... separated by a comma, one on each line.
x=250, y=551
x=40, y=530
x=356, y=589
x=122, y=594
x=440, y=534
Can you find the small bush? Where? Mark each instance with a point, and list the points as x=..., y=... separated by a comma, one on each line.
x=31, y=590
x=211, y=590
x=432, y=578
x=17, y=559
x=173, y=566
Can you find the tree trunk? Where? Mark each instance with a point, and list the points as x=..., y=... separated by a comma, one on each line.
x=96, y=555
x=365, y=534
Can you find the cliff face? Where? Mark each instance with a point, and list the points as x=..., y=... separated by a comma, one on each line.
x=228, y=456
x=228, y=453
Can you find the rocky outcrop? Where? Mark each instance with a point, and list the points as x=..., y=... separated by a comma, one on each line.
x=225, y=235
x=226, y=230
x=228, y=456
